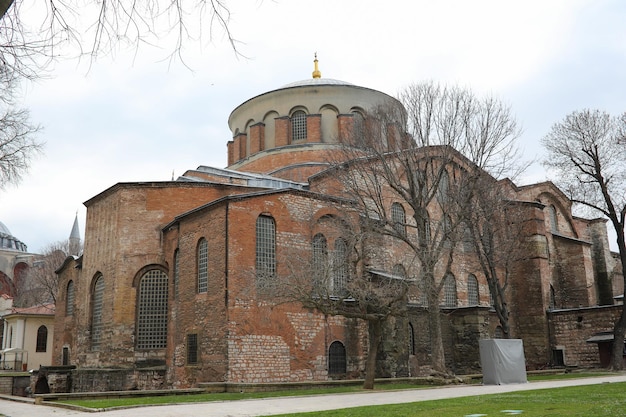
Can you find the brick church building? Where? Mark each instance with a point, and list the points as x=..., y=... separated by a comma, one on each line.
x=166, y=292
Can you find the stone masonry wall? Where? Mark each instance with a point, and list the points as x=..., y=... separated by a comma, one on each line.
x=569, y=330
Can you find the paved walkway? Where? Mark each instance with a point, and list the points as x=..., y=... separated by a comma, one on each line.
x=272, y=406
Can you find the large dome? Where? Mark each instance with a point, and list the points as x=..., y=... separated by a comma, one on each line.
x=10, y=242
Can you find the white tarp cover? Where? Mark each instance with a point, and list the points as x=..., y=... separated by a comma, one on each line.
x=502, y=361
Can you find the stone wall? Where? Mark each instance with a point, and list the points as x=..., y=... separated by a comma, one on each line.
x=569, y=330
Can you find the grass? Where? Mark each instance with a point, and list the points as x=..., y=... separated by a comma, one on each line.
x=582, y=401
x=105, y=403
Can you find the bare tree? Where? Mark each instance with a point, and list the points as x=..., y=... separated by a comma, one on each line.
x=494, y=229
x=344, y=281
x=40, y=284
x=586, y=151
x=30, y=38
x=18, y=144
x=419, y=157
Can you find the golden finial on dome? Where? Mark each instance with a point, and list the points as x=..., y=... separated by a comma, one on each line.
x=316, y=71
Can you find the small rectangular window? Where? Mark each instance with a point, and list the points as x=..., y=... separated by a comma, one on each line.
x=192, y=349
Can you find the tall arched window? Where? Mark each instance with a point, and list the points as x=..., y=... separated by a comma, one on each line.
x=176, y=271
x=152, y=310
x=449, y=291
x=42, y=339
x=554, y=223
x=265, y=251
x=358, y=129
x=341, y=268
x=472, y=290
x=298, y=125
x=552, y=301
x=336, y=358
x=97, y=299
x=69, y=299
x=320, y=261
x=203, y=266
x=398, y=218
x=443, y=188
x=411, y=339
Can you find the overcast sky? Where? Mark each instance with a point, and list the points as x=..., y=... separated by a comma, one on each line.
x=138, y=118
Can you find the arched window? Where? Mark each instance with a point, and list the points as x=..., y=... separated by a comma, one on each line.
x=152, y=310
x=97, y=299
x=341, y=268
x=472, y=290
x=69, y=299
x=554, y=223
x=336, y=358
x=320, y=261
x=176, y=271
x=552, y=302
x=449, y=291
x=411, y=339
x=358, y=130
x=265, y=251
x=498, y=334
x=65, y=356
x=42, y=339
x=443, y=188
x=203, y=266
x=398, y=218
x=298, y=125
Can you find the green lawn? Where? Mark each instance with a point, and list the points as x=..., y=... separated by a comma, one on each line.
x=583, y=401
x=174, y=399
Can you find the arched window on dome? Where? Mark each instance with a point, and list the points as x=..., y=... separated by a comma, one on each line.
x=298, y=125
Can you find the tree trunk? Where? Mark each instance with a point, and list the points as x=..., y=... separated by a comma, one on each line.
x=375, y=335
x=617, y=354
x=438, y=359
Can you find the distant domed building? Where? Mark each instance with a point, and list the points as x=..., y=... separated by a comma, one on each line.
x=14, y=260
x=171, y=289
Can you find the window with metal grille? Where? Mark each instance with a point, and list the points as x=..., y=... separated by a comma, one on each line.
x=298, y=125
x=411, y=339
x=320, y=261
x=42, y=339
x=265, y=251
x=449, y=291
x=341, y=268
x=97, y=297
x=152, y=310
x=203, y=266
x=192, y=349
x=398, y=218
x=69, y=299
x=472, y=290
x=336, y=358
x=176, y=278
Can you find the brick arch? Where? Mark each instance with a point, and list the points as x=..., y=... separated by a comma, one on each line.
x=142, y=271
x=548, y=199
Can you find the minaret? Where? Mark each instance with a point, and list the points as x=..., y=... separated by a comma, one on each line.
x=74, y=241
x=316, y=71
